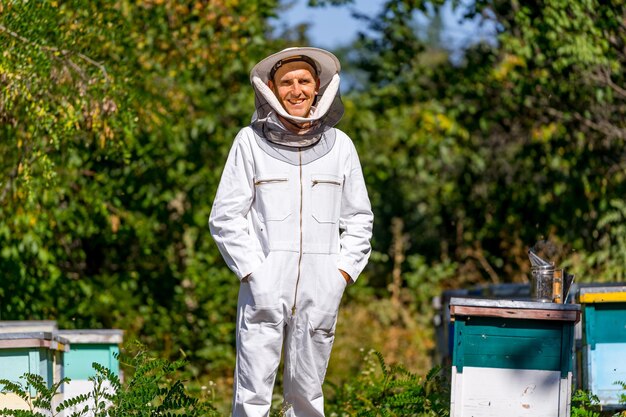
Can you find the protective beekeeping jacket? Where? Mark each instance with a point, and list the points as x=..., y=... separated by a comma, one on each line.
x=289, y=213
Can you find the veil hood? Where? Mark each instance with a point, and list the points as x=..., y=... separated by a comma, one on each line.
x=325, y=113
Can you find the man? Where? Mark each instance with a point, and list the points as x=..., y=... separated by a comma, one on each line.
x=292, y=219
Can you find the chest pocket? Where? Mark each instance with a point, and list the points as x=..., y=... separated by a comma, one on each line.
x=272, y=195
x=326, y=197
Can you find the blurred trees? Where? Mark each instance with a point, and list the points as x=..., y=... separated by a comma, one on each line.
x=116, y=119
x=522, y=141
x=471, y=163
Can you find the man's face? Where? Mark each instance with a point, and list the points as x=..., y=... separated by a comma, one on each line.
x=295, y=86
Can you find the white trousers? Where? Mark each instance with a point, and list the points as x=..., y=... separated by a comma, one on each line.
x=266, y=323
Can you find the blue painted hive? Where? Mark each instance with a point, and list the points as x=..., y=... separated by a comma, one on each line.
x=87, y=346
x=604, y=342
x=39, y=353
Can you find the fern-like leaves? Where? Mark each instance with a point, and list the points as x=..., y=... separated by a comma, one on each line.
x=383, y=390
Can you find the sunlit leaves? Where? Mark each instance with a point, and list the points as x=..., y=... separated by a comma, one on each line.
x=116, y=118
x=523, y=134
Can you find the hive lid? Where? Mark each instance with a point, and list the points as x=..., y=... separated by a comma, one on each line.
x=602, y=294
x=21, y=326
x=518, y=304
x=33, y=340
x=93, y=336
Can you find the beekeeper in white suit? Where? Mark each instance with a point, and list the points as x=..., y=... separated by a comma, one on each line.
x=292, y=219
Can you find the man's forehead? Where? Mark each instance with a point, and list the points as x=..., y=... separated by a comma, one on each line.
x=291, y=60
x=294, y=66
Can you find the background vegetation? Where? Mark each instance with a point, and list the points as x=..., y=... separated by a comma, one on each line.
x=116, y=117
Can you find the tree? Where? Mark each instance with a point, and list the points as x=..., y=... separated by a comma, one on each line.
x=117, y=119
x=522, y=141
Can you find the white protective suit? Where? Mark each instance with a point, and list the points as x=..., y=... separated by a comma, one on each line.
x=286, y=219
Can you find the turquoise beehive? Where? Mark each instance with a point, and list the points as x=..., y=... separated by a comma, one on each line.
x=604, y=342
x=88, y=346
x=39, y=353
x=512, y=358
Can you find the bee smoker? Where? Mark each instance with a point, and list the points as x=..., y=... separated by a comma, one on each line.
x=548, y=283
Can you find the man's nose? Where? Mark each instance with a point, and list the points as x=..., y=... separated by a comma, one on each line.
x=296, y=88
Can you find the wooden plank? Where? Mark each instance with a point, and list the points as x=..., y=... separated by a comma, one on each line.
x=513, y=304
x=24, y=343
x=512, y=326
x=512, y=345
x=605, y=323
x=79, y=360
x=534, y=314
x=567, y=337
x=590, y=331
x=490, y=392
x=603, y=297
x=512, y=352
x=458, y=355
x=519, y=362
x=456, y=393
x=93, y=336
x=509, y=343
x=606, y=366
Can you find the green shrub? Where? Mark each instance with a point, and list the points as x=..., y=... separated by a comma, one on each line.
x=38, y=406
x=622, y=399
x=153, y=390
x=391, y=390
x=585, y=404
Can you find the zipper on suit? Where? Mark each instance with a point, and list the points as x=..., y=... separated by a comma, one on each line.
x=295, y=298
x=269, y=181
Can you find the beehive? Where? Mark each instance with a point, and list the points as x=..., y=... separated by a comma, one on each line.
x=512, y=358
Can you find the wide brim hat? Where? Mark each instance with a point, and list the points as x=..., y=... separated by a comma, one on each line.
x=327, y=63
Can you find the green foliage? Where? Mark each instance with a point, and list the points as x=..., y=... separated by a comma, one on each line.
x=153, y=390
x=424, y=280
x=622, y=398
x=63, y=113
x=585, y=404
x=37, y=405
x=115, y=119
x=523, y=140
x=609, y=258
x=390, y=390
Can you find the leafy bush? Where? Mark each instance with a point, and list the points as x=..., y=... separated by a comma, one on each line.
x=622, y=399
x=37, y=406
x=391, y=390
x=153, y=390
x=585, y=404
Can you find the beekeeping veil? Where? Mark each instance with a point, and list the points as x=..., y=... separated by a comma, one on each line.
x=325, y=113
